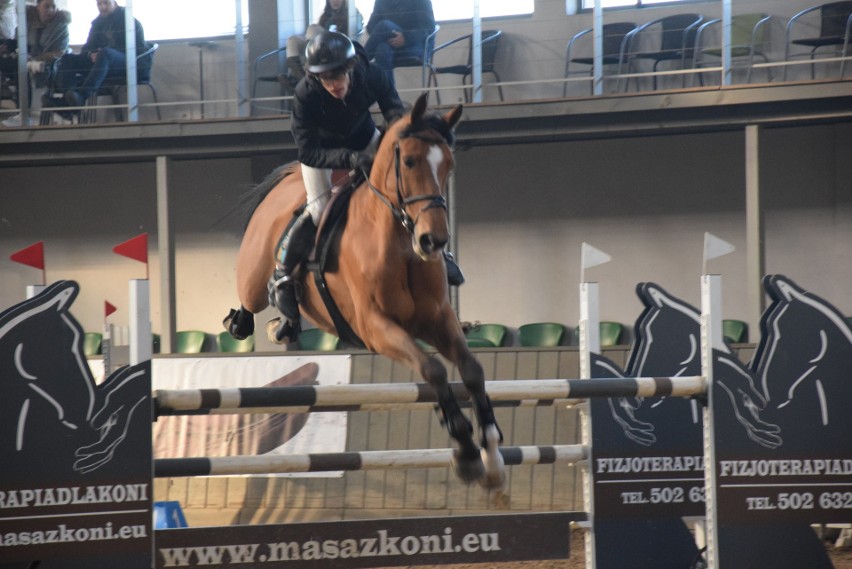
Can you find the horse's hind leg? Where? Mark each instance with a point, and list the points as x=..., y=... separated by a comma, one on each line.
x=239, y=323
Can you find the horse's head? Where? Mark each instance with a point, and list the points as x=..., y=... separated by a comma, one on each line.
x=411, y=171
x=668, y=335
x=803, y=340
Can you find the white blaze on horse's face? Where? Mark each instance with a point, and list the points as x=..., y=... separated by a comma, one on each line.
x=435, y=158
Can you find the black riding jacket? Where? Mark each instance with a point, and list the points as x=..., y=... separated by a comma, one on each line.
x=327, y=129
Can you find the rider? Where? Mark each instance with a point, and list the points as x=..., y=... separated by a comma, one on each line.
x=333, y=128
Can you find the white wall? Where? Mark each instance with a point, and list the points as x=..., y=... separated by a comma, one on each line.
x=647, y=202
x=523, y=212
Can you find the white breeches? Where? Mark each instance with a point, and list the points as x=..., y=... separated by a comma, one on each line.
x=318, y=182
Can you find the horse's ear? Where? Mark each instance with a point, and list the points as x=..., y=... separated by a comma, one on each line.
x=453, y=115
x=419, y=108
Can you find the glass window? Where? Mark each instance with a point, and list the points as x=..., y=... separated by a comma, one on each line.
x=165, y=19
x=447, y=10
x=589, y=4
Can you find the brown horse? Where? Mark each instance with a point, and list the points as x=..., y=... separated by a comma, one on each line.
x=390, y=281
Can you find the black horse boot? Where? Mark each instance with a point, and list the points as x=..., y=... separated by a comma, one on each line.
x=282, y=286
x=454, y=273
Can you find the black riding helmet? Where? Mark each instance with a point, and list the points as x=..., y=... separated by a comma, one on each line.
x=328, y=51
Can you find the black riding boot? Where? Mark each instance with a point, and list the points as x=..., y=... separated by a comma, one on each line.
x=454, y=273
x=282, y=285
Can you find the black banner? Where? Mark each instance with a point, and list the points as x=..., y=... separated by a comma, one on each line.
x=370, y=543
x=76, y=456
x=782, y=434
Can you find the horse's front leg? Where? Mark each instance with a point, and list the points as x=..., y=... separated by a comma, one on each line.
x=452, y=345
x=387, y=338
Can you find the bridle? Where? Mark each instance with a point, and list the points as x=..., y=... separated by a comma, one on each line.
x=402, y=201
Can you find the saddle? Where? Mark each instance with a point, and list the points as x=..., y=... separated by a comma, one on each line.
x=322, y=258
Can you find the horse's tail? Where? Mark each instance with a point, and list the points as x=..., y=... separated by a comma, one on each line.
x=249, y=201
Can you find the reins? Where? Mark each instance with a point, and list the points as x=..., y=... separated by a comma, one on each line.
x=398, y=210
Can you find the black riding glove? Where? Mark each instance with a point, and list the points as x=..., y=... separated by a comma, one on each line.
x=361, y=161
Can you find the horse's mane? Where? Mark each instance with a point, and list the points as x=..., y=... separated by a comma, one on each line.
x=249, y=201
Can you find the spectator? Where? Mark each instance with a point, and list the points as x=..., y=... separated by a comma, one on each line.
x=47, y=41
x=335, y=16
x=398, y=28
x=103, y=55
x=8, y=19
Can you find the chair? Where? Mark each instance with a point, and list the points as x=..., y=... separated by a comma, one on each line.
x=316, y=340
x=541, y=334
x=735, y=331
x=92, y=343
x=834, y=31
x=227, y=343
x=486, y=336
x=676, y=42
x=190, y=342
x=748, y=33
x=112, y=87
x=490, y=42
x=278, y=54
x=613, y=38
x=610, y=333
x=424, y=61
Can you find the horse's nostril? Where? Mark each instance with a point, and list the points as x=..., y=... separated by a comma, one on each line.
x=429, y=243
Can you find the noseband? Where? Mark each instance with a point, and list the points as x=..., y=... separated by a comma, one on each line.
x=398, y=210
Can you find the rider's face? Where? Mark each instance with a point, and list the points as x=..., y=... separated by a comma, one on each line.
x=336, y=83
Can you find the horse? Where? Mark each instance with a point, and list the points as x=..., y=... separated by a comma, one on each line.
x=388, y=278
x=53, y=415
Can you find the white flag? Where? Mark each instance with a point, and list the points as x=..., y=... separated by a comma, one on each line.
x=591, y=257
x=715, y=247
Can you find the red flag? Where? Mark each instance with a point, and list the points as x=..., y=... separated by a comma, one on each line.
x=32, y=256
x=136, y=248
x=108, y=308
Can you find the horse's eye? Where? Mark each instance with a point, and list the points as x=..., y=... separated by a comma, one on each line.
x=409, y=162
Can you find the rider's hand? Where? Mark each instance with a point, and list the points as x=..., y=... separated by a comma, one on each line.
x=361, y=161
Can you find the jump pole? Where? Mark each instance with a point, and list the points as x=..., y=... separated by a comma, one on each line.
x=352, y=461
x=367, y=397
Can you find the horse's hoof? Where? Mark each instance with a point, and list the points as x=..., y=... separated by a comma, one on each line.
x=494, y=477
x=272, y=331
x=237, y=325
x=468, y=469
x=282, y=332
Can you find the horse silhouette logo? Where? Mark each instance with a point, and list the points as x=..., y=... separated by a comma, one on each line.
x=55, y=420
x=796, y=374
x=801, y=367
